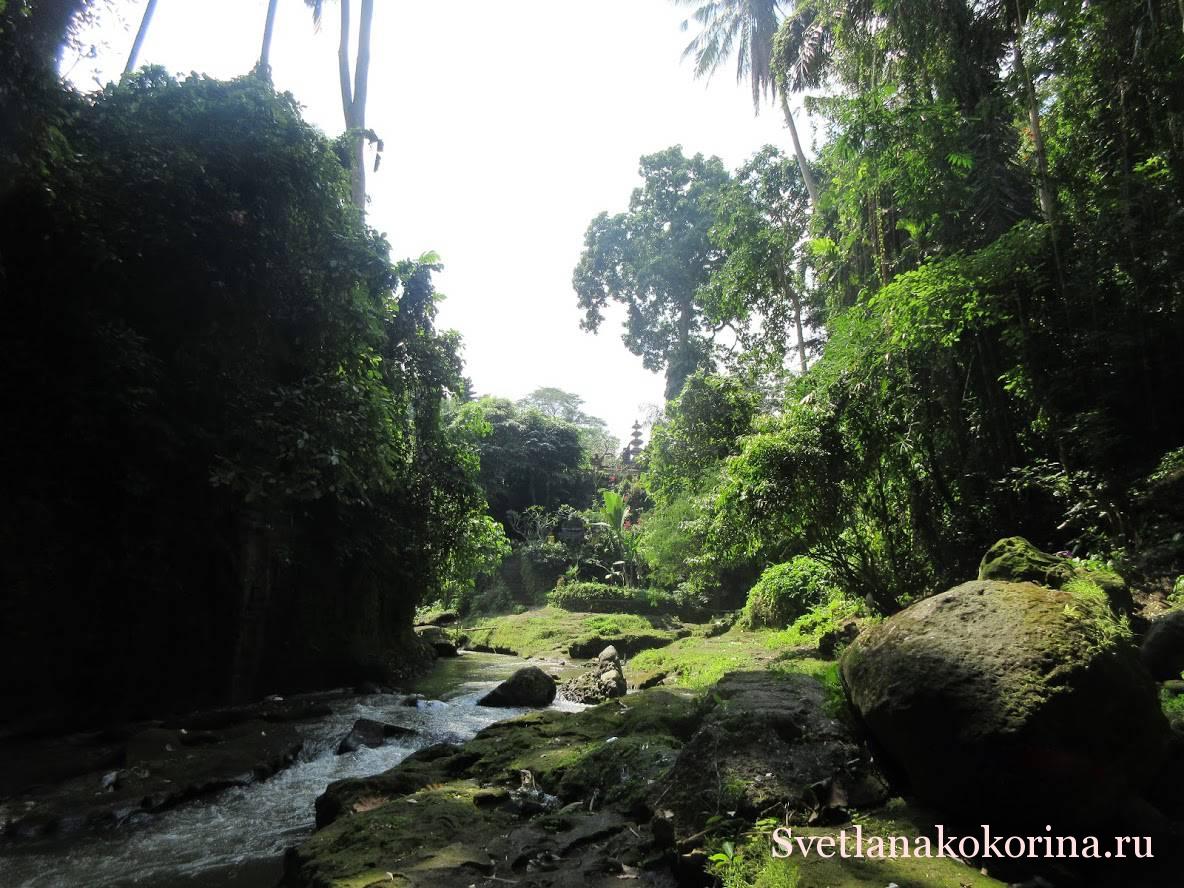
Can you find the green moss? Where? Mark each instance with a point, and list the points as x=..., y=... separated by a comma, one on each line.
x=1092, y=606
x=748, y=862
x=699, y=662
x=1015, y=560
x=621, y=771
x=410, y=835
x=552, y=632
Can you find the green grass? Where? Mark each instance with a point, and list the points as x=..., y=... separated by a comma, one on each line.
x=698, y=662
x=550, y=631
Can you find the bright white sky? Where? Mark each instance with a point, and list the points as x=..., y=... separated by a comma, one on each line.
x=507, y=128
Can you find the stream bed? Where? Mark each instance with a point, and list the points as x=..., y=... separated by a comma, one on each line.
x=238, y=836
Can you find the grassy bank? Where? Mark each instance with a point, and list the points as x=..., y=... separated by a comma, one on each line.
x=557, y=634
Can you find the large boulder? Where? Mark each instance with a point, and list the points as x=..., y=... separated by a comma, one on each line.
x=529, y=686
x=1009, y=701
x=1162, y=650
x=1015, y=560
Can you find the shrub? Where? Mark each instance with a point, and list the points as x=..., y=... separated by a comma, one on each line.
x=541, y=563
x=830, y=616
x=1176, y=597
x=786, y=591
x=605, y=599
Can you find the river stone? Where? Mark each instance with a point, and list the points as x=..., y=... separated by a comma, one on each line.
x=608, y=655
x=367, y=732
x=1162, y=650
x=1015, y=560
x=438, y=639
x=1006, y=701
x=768, y=742
x=529, y=686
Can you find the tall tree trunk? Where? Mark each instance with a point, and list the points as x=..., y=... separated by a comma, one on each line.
x=361, y=88
x=807, y=175
x=268, y=28
x=1048, y=205
x=343, y=78
x=353, y=99
x=140, y=34
x=254, y=578
x=796, y=302
x=797, y=320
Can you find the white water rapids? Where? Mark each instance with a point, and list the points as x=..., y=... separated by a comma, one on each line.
x=237, y=837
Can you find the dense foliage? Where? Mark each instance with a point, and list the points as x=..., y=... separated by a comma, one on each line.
x=989, y=263
x=228, y=458
x=529, y=458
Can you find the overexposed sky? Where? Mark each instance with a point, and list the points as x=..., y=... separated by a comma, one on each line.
x=507, y=128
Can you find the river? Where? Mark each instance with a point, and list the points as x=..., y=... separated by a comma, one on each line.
x=237, y=837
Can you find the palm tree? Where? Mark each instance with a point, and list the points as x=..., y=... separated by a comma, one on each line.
x=140, y=34
x=353, y=96
x=268, y=28
x=748, y=27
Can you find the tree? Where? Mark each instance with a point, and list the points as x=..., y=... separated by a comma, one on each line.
x=556, y=403
x=353, y=95
x=268, y=27
x=599, y=446
x=653, y=259
x=749, y=26
x=762, y=221
x=145, y=21
x=527, y=458
x=702, y=427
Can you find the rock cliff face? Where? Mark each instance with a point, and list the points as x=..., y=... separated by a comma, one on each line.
x=1010, y=700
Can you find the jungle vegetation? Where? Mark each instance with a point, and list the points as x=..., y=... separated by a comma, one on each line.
x=238, y=447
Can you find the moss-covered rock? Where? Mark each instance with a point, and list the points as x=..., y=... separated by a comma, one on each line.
x=1009, y=700
x=1015, y=560
x=768, y=744
x=449, y=815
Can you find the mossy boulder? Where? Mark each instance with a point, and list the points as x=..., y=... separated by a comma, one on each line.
x=1015, y=560
x=1009, y=701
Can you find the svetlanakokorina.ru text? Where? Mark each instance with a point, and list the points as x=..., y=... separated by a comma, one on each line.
x=853, y=843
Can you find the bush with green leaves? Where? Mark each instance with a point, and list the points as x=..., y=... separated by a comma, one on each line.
x=786, y=591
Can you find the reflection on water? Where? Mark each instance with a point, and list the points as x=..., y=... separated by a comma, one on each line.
x=237, y=836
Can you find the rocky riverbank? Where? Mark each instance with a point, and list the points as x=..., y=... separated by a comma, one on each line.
x=1047, y=712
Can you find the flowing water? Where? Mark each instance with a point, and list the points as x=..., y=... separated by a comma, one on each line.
x=238, y=836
